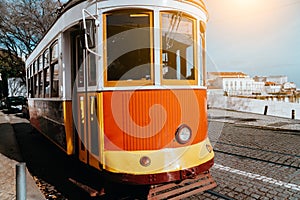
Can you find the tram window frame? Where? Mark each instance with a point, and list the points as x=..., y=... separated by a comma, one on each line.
x=202, y=53
x=146, y=80
x=163, y=71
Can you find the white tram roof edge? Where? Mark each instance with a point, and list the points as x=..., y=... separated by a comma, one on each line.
x=72, y=13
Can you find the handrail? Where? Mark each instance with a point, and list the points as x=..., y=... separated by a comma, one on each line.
x=85, y=34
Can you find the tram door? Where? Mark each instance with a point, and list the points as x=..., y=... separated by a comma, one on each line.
x=86, y=104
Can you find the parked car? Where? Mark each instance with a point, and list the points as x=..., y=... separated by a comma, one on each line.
x=14, y=104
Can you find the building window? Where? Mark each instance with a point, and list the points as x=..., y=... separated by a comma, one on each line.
x=178, y=47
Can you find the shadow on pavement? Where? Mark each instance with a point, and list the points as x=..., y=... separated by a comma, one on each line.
x=8, y=144
x=48, y=163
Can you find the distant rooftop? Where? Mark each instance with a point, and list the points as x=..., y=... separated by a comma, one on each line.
x=228, y=74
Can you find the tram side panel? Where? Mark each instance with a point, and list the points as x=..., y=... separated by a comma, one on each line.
x=54, y=120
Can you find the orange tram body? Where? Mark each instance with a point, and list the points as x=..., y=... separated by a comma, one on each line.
x=121, y=86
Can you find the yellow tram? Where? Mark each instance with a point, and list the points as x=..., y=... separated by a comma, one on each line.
x=121, y=85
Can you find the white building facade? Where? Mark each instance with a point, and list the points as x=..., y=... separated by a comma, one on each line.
x=242, y=86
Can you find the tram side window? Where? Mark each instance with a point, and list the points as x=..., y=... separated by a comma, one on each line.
x=28, y=82
x=31, y=90
x=129, y=45
x=34, y=68
x=47, y=82
x=40, y=62
x=36, y=85
x=46, y=57
x=178, y=47
x=92, y=69
x=40, y=77
x=54, y=71
x=46, y=73
x=41, y=84
x=79, y=62
x=54, y=52
x=54, y=80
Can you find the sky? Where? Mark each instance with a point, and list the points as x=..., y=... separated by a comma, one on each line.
x=257, y=37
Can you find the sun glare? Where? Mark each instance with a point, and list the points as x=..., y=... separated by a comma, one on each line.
x=246, y=3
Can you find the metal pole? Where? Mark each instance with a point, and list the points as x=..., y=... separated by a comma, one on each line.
x=21, y=181
x=266, y=110
x=293, y=114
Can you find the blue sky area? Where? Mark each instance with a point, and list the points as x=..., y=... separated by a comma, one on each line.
x=258, y=37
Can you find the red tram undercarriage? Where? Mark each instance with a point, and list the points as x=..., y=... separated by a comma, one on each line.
x=172, y=185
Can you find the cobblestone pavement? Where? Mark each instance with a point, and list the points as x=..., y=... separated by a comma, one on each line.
x=256, y=156
x=6, y=173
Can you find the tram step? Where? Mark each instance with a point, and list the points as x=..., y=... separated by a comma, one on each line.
x=186, y=188
x=92, y=192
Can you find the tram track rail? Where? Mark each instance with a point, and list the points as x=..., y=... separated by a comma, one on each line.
x=256, y=159
x=241, y=124
x=257, y=149
x=219, y=195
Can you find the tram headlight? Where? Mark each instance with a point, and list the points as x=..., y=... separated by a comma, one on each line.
x=183, y=134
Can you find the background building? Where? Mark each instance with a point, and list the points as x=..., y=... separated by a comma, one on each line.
x=240, y=84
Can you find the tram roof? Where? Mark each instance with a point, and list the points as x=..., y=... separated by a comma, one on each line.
x=72, y=3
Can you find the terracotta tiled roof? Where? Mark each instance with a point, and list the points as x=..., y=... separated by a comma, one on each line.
x=228, y=74
x=268, y=83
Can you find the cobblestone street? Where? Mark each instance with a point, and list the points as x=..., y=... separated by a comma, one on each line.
x=252, y=161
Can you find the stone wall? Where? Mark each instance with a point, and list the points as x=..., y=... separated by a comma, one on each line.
x=273, y=108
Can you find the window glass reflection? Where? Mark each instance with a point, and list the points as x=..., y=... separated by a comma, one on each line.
x=178, y=46
x=129, y=54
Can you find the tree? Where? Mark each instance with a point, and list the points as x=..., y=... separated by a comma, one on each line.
x=22, y=25
x=10, y=66
x=24, y=22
